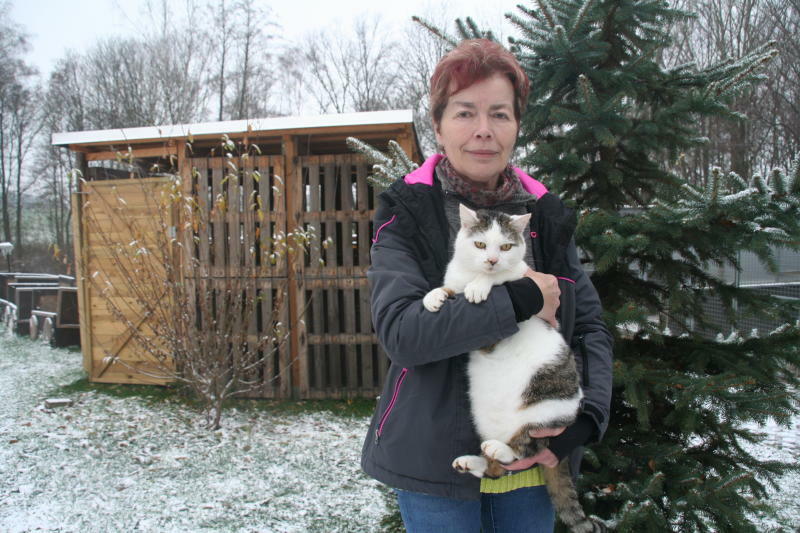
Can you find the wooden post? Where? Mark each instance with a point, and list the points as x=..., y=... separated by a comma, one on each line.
x=405, y=140
x=219, y=239
x=298, y=387
x=80, y=247
x=184, y=232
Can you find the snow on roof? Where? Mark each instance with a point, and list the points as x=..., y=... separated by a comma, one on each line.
x=233, y=126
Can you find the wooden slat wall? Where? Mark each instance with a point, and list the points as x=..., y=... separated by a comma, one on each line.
x=244, y=208
x=343, y=357
x=334, y=352
x=111, y=212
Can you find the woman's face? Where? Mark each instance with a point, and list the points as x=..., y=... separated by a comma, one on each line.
x=478, y=129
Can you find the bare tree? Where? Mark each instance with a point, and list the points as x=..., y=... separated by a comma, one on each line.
x=244, y=54
x=25, y=125
x=64, y=109
x=221, y=14
x=158, y=77
x=18, y=124
x=176, y=60
x=253, y=75
x=421, y=51
x=783, y=83
x=289, y=94
x=122, y=93
x=357, y=73
x=762, y=137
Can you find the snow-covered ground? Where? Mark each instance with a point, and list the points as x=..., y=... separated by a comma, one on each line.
x=130, y=464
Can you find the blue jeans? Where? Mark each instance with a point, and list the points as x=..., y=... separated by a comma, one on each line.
x=526, y=510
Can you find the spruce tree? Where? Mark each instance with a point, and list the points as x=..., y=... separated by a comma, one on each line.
x=604, y=128
x=604, y=122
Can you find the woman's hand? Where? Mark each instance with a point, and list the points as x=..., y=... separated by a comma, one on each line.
x=551, y=295
x=544, y=457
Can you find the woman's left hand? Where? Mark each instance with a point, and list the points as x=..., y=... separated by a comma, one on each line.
x=544, y=457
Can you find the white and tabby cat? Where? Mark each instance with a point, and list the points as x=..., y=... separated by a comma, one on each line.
x=525, y=382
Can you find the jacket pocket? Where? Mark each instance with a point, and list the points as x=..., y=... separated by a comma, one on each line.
x=395, y=394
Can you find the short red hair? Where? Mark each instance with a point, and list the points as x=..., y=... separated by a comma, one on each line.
x=472, y=61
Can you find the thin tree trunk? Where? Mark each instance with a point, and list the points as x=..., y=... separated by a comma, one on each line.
x=222, y=59
x=4, y=181
x=18, y=243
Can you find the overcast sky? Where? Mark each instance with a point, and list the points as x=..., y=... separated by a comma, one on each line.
x=55, y=26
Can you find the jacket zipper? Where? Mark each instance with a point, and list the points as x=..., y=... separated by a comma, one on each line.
x=389, y=408
x=585, y=366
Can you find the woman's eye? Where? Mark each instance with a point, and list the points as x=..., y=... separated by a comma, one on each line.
x=502, y=116
x=479, y=244
x=506, y=247
x=463, y=114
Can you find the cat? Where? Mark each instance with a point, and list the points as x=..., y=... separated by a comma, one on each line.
x=525, y=382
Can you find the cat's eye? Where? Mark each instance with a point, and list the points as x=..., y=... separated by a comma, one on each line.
x=480, y=245
x=506, y=247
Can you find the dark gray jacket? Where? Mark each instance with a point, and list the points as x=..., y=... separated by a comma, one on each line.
x=423, y=419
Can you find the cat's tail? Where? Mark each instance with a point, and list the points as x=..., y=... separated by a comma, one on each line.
x=565, y=500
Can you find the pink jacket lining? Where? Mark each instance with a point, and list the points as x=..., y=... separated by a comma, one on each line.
x=424, y=175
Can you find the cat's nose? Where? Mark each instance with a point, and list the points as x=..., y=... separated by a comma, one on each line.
x=492, y=261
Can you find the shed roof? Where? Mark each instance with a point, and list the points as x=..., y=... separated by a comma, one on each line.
x=150, y=133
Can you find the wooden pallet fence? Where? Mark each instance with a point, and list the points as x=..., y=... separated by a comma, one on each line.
x=221, y=242
x=241, y=209
x=342, y=357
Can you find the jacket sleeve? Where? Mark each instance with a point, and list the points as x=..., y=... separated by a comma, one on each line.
x=410, y=334
x=593, y=346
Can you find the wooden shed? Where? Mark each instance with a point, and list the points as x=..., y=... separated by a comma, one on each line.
x=333, y=352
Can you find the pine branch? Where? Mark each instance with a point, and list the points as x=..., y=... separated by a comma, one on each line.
x=547, y=12
x=580, y=17
x=534, y=32
x=529, y=12
x=468, y=29
x=749, y=65
x=589, y=97
x=386, y=169
x=452, y=41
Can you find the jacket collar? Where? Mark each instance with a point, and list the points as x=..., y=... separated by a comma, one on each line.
x=424, y=175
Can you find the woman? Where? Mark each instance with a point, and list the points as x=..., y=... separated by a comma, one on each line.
x=478, y=93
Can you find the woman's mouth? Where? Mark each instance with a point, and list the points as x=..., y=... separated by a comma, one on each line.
x=482, y=154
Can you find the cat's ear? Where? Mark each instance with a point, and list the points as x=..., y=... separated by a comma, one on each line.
x=469, y=218
x=520, y=222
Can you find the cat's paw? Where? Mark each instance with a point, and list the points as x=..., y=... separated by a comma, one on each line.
x=499, y=451
x=472, y=464
x=434, y=299
x=477, y=291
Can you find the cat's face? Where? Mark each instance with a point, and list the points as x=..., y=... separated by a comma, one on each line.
x=489, y=241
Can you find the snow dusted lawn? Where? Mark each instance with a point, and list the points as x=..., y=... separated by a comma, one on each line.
x=130, y=464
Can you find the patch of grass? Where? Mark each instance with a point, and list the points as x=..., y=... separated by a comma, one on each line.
x=355, y=407
x=153, y=393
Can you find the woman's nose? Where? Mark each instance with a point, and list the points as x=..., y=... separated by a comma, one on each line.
x=483, y=129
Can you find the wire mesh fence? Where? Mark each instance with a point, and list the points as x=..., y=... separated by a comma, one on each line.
x=782, y=283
